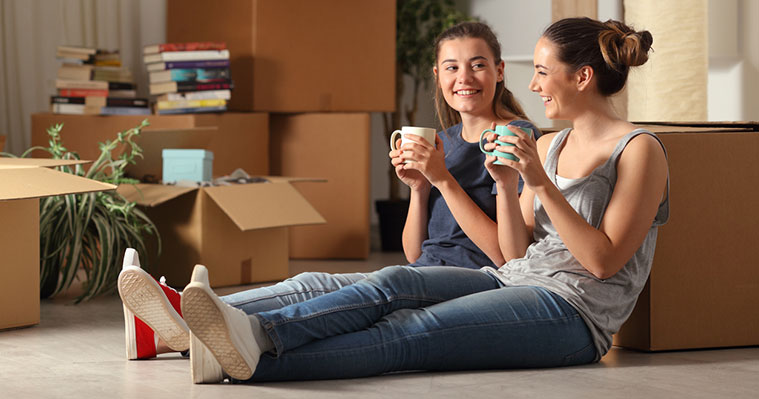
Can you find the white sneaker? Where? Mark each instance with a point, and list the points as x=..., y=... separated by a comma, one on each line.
x=223, y=329
x=203, y=365
x=154, y=304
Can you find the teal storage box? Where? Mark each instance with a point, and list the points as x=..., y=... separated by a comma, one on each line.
x=184, y=164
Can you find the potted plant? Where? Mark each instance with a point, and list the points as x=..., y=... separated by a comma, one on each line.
x=418, y=22
x=91, y=231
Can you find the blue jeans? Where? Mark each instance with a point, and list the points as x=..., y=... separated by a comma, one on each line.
x=297, y=289
x=432, y=318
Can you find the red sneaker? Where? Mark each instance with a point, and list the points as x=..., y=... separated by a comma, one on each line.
x=151, y=310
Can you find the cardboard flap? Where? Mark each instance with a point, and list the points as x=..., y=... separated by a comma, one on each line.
x=152, y=194
x=31, y=182
x=284, y=179
x=262, y=205
x=7, y=163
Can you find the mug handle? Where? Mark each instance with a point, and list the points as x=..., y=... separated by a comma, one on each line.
x=392, y=139
x=481, y=137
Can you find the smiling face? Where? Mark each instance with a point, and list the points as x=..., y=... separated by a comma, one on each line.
x=467, y=75
x=553, y=81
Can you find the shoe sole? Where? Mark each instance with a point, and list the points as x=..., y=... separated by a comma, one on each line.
x=209, y=324
x=145, y=299
x=204, y=368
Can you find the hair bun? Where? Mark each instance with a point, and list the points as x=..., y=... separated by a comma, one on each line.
x=621, y=46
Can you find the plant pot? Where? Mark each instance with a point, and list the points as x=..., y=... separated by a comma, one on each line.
x=392, y=218
x=48, y=285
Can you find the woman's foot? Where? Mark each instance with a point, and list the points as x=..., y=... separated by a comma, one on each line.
x=225, y=330
x=149, y=306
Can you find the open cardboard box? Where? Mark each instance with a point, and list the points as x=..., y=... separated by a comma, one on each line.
x=241, y=140
x=153, y=142
x=238, y=231
x=703, y=291
x=24, y=182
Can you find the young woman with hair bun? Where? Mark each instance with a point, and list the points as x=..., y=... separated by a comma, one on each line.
x=578, y=245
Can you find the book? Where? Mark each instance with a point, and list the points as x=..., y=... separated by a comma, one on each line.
x=69, y=71
x=80, y=84
x=108, y=58
x=160, y=66
x=77, y=50
x=123, y=93
x=93, y=101
x=112, y=74
x=82, y=92
x=191, y=110
x=179, y=87
x=190, y=74
x=85, y=54
x=187, y=56
x=121, y=86
x=101, y=101
x=74, y=109
x=125, y=111
x=189, y=46
x=162, y=105
x=196, y=95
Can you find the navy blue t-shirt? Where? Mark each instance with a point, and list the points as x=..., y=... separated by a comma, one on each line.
x=446, y=243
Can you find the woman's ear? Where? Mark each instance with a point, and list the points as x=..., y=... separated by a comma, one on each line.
x=584, y=76
x=500, y=69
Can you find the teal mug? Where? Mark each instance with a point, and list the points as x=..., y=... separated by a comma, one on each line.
x=502, y=130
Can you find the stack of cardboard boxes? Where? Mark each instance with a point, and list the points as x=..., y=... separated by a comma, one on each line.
x=318, y=68
x=306, y=75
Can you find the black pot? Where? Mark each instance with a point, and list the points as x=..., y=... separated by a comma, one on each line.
x=48, y=285
x=392, y=218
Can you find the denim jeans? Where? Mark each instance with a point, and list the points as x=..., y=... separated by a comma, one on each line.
x=297, y=289
x=432, y=318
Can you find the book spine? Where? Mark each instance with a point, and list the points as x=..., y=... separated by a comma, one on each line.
x=191, y=46
x=126, y=102
x=195, y=86
x=161, y=105
x=199, y=75
x=188, y=64
x=197, y=95
x=121, y=86
x=192, y=110
x=188, y=56
x=81, y=84
x=66, y=100
x=82, y=93
x=108, y=110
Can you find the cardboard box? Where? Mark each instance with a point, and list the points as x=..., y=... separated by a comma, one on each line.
x=238, y=231
x=24, y=181
x=187, y=164
x=240, y=140
x=703, y=290
x=298, y=56
x=334, y=146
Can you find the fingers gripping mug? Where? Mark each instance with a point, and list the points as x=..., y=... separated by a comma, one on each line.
x=427, y=133
x=501, y=130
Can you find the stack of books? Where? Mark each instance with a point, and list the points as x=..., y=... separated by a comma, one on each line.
x=93, y=82
x=189, y=77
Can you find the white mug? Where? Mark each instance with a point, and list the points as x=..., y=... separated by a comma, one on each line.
x=427, y=133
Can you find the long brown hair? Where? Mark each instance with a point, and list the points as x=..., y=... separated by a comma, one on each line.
x=610, y=48
x=505, y=106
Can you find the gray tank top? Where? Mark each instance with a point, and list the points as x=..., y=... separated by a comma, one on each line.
x=603, y=304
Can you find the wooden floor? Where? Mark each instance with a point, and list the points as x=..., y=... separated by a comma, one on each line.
x=77, y=351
